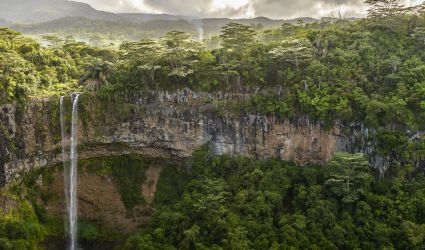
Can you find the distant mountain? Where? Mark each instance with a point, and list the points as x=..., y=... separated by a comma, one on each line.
x=33, y=11
x=80, y=19
x=37, y=11
x=214, y=25
x=132, y=30
x=145, y=17
x=124, y=30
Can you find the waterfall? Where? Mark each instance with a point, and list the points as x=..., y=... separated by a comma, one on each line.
x=70, y=171
x=200, y=32
x=199, y=27
x=72, y=207
x=64, y=154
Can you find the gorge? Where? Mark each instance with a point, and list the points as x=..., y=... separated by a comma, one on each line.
x=307, y=134
x=158, y=125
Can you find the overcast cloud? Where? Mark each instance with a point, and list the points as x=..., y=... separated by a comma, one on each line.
x=239, y=8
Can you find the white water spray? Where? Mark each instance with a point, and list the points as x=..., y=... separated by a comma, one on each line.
x=70, y=172
x=199, y=28
x=200, y=32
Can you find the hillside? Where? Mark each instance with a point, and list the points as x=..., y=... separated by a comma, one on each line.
x=128, y=30
x=82, y=20
x=23, y=11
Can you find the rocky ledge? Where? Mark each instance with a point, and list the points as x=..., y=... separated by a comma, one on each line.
x=162, y=124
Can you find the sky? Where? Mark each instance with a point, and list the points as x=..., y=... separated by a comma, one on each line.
x=277, y=9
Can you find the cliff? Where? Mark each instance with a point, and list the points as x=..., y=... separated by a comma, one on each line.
x=162, y=124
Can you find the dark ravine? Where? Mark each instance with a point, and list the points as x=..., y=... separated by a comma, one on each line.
x=158, y=124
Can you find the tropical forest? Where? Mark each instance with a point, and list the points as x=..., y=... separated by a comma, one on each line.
x=152, y=125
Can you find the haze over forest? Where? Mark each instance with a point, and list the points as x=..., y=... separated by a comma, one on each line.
x=83, y=21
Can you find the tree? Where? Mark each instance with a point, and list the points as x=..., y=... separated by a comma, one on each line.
x=96, y=75
x=15, y=73
x=295, y=52
x=419, y=35
x=228, y=72
x=415, y=234
x=8, y=35
x=339, y=10
x=385, y=8
x=421, y=8
x=237, y=37
x=181, y=53
x=53, y=40
x=146, y=55
x=349, y=176
x=206, y=197
x=174, y=39
x=240, y=56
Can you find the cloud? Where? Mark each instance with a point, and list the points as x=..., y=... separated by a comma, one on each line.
x=307, y=8
x=239, y=8
x=204, y=8
x=120, y=5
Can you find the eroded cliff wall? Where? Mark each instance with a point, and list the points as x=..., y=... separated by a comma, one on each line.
x=160, y=124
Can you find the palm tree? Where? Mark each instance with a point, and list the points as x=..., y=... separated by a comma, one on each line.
x=96, y=76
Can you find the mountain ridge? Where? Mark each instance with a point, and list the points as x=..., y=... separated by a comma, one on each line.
x=39, y=11
x=25, y=12
x=82, y=20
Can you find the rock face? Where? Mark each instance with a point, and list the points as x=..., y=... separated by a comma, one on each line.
x=160, y=124
x=100, y=201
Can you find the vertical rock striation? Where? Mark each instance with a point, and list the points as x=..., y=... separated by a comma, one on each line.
x=162, y=123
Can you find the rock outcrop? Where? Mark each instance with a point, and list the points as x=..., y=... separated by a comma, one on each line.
x=160, y=124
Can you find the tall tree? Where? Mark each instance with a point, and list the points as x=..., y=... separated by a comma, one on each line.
x=181, y=53
x=385, y=8
x=96, y=75
x=145, y=55
x=174, y=39
x=237, y=37
x=349, y=176
x=295, y=52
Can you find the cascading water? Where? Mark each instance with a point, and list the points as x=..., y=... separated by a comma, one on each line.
x=73, y=176
x=70, y=171
x=64, y=154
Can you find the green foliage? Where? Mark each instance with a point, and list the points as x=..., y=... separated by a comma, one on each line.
x=369, y=71
x=23, y=223
x=240, y=203
x=295, y=52
x=27, y=69
x=349, y=176
x=237, y=37
x=360, y=71
x=88, y=231
x=171, y=184
x=128, y=173
x=385, y=8
x=145, y=242
x=405, y=152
